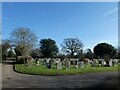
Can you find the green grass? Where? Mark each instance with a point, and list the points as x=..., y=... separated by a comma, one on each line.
x=41, y=70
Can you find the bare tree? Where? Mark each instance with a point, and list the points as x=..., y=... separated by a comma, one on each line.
x=72, y=45
x=24, y=40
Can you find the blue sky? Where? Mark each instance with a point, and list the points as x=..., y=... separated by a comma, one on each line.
x=91, y=22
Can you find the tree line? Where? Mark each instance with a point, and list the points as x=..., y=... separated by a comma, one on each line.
x=23, y=43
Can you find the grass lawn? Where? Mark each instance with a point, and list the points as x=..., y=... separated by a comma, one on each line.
x=41, y=70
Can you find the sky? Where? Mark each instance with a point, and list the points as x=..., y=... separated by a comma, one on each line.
x=90, y=22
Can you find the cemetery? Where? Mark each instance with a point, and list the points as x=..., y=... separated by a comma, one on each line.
x=63, y=44
x=56, y=66
x=49, y=59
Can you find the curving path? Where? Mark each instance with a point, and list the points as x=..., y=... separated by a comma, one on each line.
x=11, y=79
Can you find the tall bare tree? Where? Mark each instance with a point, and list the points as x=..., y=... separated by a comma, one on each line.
x=72, y=45
x=24, y=40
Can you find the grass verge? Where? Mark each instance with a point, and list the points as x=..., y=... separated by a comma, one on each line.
x=41, y=70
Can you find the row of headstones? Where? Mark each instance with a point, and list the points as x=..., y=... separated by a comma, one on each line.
x=93, y=63
x=67, y=62
x=77, y=63
x=47, y=63
x=112, y=62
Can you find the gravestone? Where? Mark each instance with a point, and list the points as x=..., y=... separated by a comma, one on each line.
x=76, y=63
x=48, y=63
x=59, y=64
x=29, y=60
x=45, y=62
x=67, y=64
x=110, y=63
x=64, y=62
x=37, y=61
x=100, y=61
x=56, y=61
x=81, y=64
x=114, y=61
x=53, y=61
x=89, y=62
x=103, y=62
x=94, y=63
x=71, y=61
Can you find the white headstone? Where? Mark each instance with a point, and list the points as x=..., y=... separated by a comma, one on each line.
x=32, y=59
x=103, y=62
x=94, y=62
x=59, y=64
x=81, y=64
x=115, y=61
x=89, y=61
x=110, y=62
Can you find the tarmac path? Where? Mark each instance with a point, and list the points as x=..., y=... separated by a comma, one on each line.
x=11, y=79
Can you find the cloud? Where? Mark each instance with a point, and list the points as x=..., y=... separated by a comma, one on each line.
x=110, y=21
x=107, y=22
x=100, y=25
x=110, y=12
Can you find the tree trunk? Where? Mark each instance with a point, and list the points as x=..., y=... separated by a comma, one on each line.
x=72, y=54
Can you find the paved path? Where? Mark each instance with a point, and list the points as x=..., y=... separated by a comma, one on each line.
x=12, y=79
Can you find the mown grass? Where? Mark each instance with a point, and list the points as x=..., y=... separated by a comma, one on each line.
x=41, y=70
